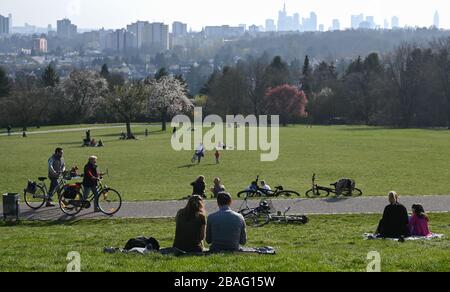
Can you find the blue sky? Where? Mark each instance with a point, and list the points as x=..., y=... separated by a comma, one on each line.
x=198, y=13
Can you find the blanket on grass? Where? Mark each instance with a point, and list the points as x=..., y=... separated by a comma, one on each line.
x=177, y=252
x=371, y=236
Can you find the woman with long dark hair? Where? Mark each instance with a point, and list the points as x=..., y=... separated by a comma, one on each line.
x=418, y=224
x=191, y=226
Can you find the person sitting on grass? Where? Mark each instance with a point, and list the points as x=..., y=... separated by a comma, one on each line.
x=265, y=188
x=218, y=187
x=418, y=223
x=191, y=226
x=395, y=221
x=226, y=229
x=199, y=187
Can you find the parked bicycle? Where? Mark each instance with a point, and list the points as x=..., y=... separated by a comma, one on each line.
x=264, y=214
x=72, y=201
x=259, y=192
x=344, y=187
x=36, y=194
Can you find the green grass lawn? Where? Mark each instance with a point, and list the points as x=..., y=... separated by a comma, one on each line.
x=412, y=162
x=328, y=243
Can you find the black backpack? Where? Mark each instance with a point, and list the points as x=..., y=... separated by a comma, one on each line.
x=142, y=242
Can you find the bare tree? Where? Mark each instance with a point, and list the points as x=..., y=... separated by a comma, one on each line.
x=442, y=63
x=128, y=101
x=84, y=92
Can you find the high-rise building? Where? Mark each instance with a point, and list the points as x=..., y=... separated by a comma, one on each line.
x=356, y=20
x=436, y=20
x=179, y=29
x=151, y=35
x=313, y=21
x=321, y=28
x=270, y=25
x=386, y=24
x=282, y=20
x=296, y=22
x=336, y=24
x=65, y=29
x=395, y=22
x=5, y=29
x=10, y=22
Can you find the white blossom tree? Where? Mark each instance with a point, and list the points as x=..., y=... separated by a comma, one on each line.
x=168, y=98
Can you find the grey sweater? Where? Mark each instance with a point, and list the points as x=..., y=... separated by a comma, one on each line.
x=226, y=230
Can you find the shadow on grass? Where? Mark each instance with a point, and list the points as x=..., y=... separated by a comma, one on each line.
x=373, y=129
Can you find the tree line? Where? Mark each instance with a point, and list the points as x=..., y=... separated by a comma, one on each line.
x=407, y=87
x=90, y=97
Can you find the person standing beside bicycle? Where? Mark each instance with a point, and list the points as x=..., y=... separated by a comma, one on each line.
x=90, y=181
x=56, y=166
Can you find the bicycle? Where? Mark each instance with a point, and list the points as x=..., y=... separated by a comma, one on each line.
x=320, y=191
x=258, y=192
x=36, y=194
x=72, y=201
x=263, y=215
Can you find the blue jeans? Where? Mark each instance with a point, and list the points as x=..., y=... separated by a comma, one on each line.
x=87, y=191
x=53, y=185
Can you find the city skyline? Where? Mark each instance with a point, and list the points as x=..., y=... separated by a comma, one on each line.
x=204, y=13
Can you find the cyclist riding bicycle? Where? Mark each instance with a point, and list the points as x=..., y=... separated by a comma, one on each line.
x=56, y=167
x=90, y=181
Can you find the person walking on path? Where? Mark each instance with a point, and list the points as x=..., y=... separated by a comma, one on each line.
x=56, y=167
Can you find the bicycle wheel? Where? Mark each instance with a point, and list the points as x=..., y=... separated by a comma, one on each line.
x=73, y=205
x=246, y=194
x=109, y=202
x=356, y=193
x=317, y=193
x=37, y=200
x=288, y=194
x=255, y=219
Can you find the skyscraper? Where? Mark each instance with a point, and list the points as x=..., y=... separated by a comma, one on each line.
x=336, y=24
x=270, y=25
x=436, y=20
x=313, y=21
x=356, y=20
x=395, y=23
x=282, y=20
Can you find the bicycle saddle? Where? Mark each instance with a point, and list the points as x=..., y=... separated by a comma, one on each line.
x=42, y=178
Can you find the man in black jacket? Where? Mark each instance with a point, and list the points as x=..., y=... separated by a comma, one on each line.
x=394, y=223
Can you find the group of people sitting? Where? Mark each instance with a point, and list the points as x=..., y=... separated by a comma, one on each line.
x=199, y=187
x=396, y=222
x=224, y=231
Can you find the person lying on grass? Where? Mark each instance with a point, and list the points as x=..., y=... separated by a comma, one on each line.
x=395, y=221
x=191, y=226
x=226, y=229
x=418, y=223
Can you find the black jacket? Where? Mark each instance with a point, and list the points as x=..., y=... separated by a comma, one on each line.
x=198, y=188
x=395, y=222
x=90, y=176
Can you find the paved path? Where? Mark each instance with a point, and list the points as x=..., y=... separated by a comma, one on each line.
x=168, y=209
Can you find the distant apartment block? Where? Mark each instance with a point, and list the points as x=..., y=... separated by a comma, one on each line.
x=395, y=22
x=150, y=35
x=65, y=29
x=179, y=29
x=40, y=45
x=336, y=24
x=5, y=28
